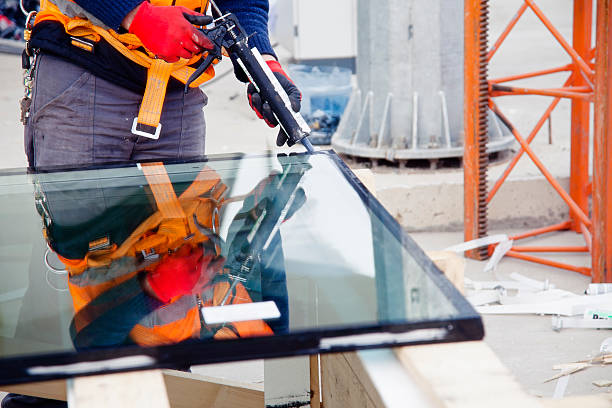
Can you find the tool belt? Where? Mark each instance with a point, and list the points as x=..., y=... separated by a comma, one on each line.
x=119, y=58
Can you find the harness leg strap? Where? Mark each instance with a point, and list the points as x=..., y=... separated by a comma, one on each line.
x=147, y=123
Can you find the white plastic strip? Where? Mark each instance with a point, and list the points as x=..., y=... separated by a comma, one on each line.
x=535, y=284
x=544, y=296
x=498, y=254
x=374, y=339
x=240, y=312
x=599, y=288
x=559, y=323
x=569, y=306
x=121, y=363
x=477, y=243
x=606, y=346
x=484, y=297
x=561, y=387
x=508, y=285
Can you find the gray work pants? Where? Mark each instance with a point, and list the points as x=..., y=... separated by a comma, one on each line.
x=79, y=119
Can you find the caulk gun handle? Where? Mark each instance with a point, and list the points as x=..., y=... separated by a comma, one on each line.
x=200, y=70
x=271, y=91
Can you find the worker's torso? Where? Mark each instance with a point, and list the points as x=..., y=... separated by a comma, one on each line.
x=55, y=33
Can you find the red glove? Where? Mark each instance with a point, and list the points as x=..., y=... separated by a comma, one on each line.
x=166, y=33
x=261, y=107
x=181, y=273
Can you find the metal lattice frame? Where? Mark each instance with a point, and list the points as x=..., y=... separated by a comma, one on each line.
x=587, y=82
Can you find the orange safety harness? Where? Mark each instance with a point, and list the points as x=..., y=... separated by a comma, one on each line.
x=130, y=46
x=173, y=225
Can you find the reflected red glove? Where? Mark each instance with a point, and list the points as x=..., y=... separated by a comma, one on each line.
x=261, y=107
x=180, y=273
x=166, y=33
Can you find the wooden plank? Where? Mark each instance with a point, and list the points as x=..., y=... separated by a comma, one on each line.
x=315, y=384
x=184, y=390
x=464, y=374
x=366, y=176
x=603, y=400
x=451, y=264
x=188, y=390
x=55, y=389
x=142, y=389
x=345, y=383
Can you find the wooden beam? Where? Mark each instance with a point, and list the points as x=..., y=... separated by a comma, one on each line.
x=451, y=264
x=315, y=383
x=142, y=389
x=55, y=389
x=184, y=390
x=466, y=374
x=345, y=383
x=188, y=390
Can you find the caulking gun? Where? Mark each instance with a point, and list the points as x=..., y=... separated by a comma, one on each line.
x=227, y=33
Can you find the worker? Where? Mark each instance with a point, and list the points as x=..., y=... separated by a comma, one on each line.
x=96, y=60
x=93, y=63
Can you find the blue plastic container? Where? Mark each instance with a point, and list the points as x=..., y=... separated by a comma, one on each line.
x=325, y=94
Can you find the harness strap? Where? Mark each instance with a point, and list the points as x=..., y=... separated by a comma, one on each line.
x=153, y=101
x=163, y=192
x=130, y=46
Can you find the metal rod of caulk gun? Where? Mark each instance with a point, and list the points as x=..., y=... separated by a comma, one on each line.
x=216, y=9
x=304, y=140
x=307, y=145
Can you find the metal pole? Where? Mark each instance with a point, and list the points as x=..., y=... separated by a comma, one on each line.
x=602, y=150
x=579, y=168
x=475, y=158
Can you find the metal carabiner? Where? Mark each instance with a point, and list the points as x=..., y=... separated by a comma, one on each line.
x=214, y=238
x=30, y=17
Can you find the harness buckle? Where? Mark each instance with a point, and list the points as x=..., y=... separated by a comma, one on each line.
x=137, y=132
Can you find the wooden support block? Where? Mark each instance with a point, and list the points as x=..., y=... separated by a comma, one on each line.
x=451, y=264
x=367, y=178
x=183, y=390
x=188, y=390
x=134, y=389
x=55, y=389
x=466, y=374
x=315, y=394
x=345, y=383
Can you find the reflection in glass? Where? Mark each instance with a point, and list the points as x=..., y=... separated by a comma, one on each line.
x=200, y=253
x=143, y=261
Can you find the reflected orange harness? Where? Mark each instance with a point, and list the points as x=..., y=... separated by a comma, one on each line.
x=173, y=225
x=130, y=46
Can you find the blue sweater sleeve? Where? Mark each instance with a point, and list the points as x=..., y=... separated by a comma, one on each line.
x=253, y=16
x=110, y=13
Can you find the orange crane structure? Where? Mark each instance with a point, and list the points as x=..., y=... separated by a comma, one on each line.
x=589, y=199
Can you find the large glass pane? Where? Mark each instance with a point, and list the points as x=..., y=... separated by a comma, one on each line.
x=256, y=255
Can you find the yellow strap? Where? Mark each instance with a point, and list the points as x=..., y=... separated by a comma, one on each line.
x=165, y=197
x=124, y=44
x=128, y=45
x=155, y=92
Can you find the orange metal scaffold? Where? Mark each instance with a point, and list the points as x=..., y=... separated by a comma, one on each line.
x=587, y=82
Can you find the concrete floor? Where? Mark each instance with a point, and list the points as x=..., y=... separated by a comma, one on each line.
x=526, y=344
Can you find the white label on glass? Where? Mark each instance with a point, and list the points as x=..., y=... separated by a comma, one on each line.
x=240, y=312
